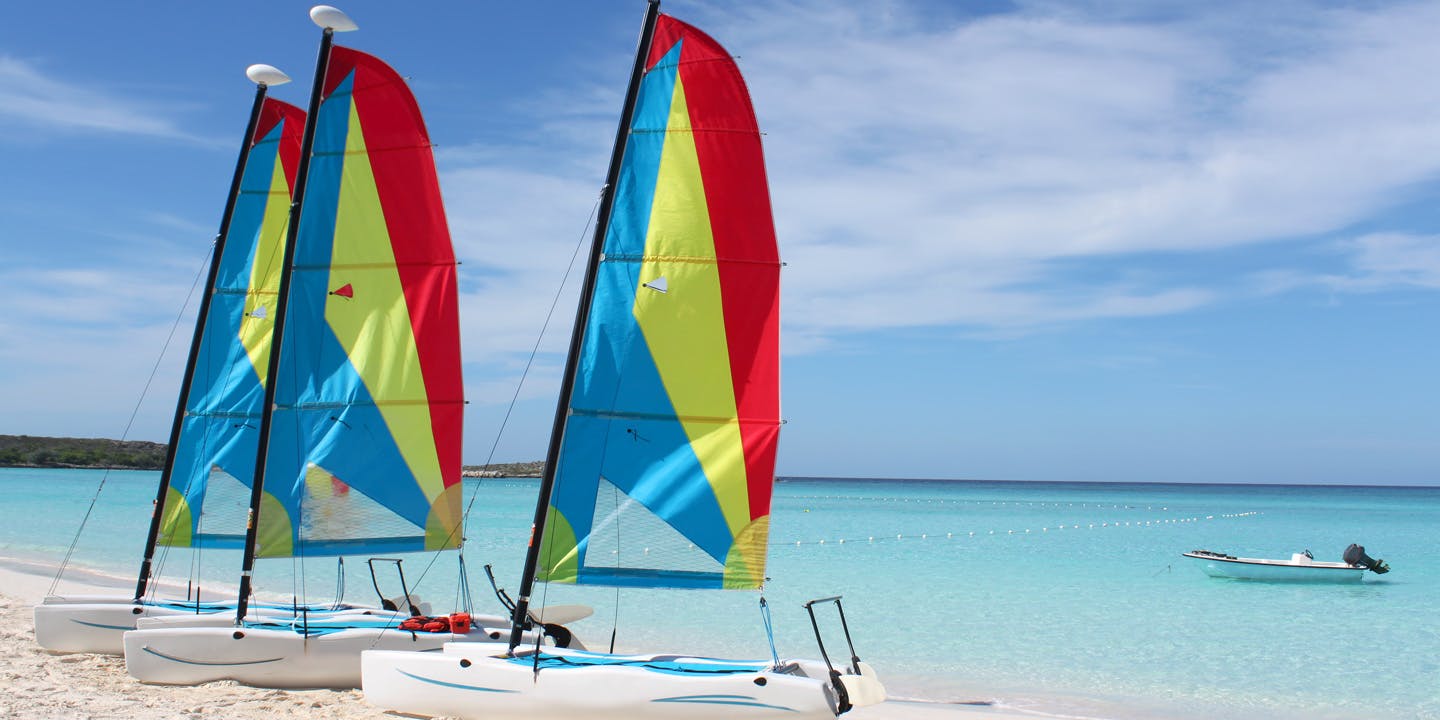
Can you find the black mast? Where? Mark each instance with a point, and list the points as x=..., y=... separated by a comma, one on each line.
x=577, y=336
x=297, y=199
x=189, y=377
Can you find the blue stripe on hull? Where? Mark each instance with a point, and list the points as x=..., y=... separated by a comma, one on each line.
x=457, y=686
x=103, y=626
x=739, y=700
x=183, y=661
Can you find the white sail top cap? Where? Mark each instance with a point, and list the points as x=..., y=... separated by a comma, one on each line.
x=266, y=75
x=332, y=18
x=658, y=285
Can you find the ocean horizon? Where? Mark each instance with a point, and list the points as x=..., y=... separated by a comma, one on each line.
x=1058, y=598
x=823, y=478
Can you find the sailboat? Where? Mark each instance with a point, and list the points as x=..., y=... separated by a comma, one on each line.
x=358, y=443
x=666, y=427
x=213, y=435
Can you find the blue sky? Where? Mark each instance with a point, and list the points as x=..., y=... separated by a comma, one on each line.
x=1025, y=240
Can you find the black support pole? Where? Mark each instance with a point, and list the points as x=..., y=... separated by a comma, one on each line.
x=577, y=336
x=200, y=320
x=297, y=199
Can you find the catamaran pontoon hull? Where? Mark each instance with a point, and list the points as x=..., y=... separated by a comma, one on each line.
x=270, y=657
x=478, y=682
x=97, y=623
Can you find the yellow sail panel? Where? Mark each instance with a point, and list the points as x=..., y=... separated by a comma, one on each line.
x=259, y=319
x=689, y=346
x=365, y=286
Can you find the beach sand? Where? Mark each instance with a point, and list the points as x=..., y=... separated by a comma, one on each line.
x=36, y=685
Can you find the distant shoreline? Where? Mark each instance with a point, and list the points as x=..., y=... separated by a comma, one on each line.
x=57, y=453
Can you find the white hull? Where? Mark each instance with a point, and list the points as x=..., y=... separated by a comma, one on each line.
x=185, y=654
x=1293, y=570
x=477, y=682
x=97, y=623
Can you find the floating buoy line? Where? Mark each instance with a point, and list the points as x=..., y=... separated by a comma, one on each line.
x=1044, y=529
x=997, y=503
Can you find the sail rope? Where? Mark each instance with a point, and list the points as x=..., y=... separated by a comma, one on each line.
x=769, y=630
x=530, y=361
x=130, y=424
x=514, y=399
x=614, y=518
x=610, y=416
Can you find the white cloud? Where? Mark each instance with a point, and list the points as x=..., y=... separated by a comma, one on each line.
x=1390, y=259
x=29, y=97
x=937, y=174
x=1376, y=262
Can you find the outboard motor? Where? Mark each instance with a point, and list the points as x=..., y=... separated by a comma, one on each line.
x=1355, y=555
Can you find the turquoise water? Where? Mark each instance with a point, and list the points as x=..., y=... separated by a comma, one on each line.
x=1063, y=599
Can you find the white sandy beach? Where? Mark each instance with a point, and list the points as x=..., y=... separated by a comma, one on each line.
x=35, y=685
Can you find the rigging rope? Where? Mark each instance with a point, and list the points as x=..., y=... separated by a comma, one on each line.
x=514, y=399
x=769, y=631
x=550, y=517
x=154, y=370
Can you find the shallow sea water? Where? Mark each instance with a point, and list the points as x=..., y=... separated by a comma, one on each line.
x=1062, y=599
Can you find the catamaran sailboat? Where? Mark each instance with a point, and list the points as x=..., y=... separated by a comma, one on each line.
x=209, y=461
x=357, y=449
x=666, y=425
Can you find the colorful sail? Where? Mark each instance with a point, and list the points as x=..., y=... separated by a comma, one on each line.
x=208, y=498
x=668, y=455
x=364, y=451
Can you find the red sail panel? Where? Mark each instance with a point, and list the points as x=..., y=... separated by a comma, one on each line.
x=732, y=162
x=272, y=113
x=404, y=168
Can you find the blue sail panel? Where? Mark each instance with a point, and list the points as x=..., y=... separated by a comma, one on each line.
x=367, y=402
x=220, y=429
x=651, y=487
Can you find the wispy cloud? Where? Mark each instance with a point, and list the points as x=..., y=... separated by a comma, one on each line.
x=941, y=173
x=1376, y=262
x=86, y=343
x=29, y=97
x=1391, y=259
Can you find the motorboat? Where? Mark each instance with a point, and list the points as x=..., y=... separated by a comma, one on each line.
x=1301, y=567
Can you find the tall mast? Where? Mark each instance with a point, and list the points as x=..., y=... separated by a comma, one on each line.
x=331, y=20
x=577, y=335
x=263, y=76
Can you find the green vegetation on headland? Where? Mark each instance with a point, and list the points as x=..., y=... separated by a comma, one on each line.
x=50, y=452
x=525, y=469
x=53, y=452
